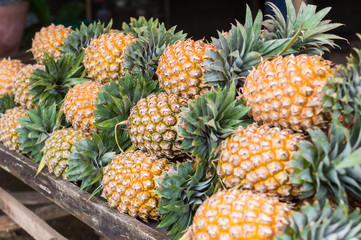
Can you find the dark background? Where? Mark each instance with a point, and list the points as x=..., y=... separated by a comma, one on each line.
x=202, y=18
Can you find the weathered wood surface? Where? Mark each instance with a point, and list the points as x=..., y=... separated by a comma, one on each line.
x=48, y=212
x=95, y=212
x=30, y=198
x=26, y=219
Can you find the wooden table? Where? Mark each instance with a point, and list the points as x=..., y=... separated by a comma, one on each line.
x=94, y=212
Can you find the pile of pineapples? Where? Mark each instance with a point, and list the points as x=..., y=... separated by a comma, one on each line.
x=252, y=135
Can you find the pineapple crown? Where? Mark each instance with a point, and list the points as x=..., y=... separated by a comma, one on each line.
x=182, y=193
x=144, y=54
x=50, y=85
x=311, y=26
x=136, y=27
x=37, y=127
x=317, y=222
x=7, y=102
x=88, y=158
x=238, y=51
x=115, y=101
x=244, y=46
x=80, y=38
x=209, y=119
x=342, y=92
x=330, y=166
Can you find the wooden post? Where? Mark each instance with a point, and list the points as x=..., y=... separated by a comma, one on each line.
x=88, y=9
x=297, y=4
x=46, y=213
x=26, y=219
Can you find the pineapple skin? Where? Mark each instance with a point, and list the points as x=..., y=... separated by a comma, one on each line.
x=153, y=125
x=287, y=92
x=104, y=57
x=180, y=70
x=130, y=181
x=8, y=69
x=58, y=147
x=21, y=85
x=9, y=122
x=258, y=158
x=79, y=105
x=50, y=40
x=243, y=215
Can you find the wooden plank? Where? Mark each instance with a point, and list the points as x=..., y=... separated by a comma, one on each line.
x=95, y=212
x=30, y=198
x=46, y=213
x=26, y=219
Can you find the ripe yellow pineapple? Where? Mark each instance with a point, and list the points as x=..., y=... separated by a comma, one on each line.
x=21, y=85
x=58, y=147
x=9, y=122
x=8, y=69
x=49, y=39
x=180, y=70
x=287, y=91
x=257, y=158
x=153, y=124
x=79, y=105
x=130, y=181
x=103, y=59
x=235, y=214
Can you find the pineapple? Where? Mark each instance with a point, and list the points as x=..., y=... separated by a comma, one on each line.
x=233, y=214
x=57, y=149
x=79, y=105
x=153, y=124
x=79, y=39
x=246, y=45
x=49, y=40
x=9, y=122
x=21, y=85
x=104, y=57
x=153, y=39
x=287, y=91
x=258, y=158
x=180, y=70
x=129, y=183
x=115, y=101
x=8, y=69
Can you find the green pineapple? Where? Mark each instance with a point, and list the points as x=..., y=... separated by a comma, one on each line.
x=182, y=191
x=313, y=222
x=324, y=168
x=51, y=84
x=57, y=149
x=37, y=127
x=87, y=160
x=115, y=102
x=7, y=102
x=343, y=90
x=209, y=119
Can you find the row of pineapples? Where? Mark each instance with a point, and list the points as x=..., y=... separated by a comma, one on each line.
x=250, y=136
